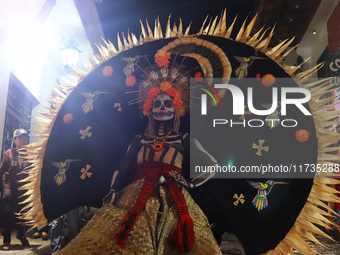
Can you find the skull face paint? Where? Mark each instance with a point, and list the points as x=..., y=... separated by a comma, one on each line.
x=162, y=108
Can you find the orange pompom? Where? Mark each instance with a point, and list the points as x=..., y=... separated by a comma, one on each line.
x=171, y=92
x=177, y=102
x=181, y=111
x=258, y=76
x=165, y=85
x=162, y=58
x=198, y=77
x=178, y=94
x=268, y=80
x=107, y=71
x=68, y=118
x=302, y=135
x=153, y=93
x=130, y=81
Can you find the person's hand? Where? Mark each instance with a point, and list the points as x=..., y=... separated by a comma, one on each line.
x=181, y=180
x=110, y=197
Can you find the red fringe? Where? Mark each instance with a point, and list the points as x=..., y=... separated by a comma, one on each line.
x=126, y=227
x=121, y=238
x=184, y=237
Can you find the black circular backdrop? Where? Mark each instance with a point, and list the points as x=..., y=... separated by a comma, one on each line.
x=112, y=131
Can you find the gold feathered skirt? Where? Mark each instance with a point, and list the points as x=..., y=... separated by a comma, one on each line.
x=156, y=223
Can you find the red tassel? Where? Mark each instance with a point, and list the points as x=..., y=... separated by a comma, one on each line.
x=184, y=237
x=121, y=238
x=126, y=227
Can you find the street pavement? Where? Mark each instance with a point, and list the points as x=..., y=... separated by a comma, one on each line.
x=18, y=249
x=229, y=246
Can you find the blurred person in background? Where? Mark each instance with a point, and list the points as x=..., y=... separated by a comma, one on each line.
x=11, y=168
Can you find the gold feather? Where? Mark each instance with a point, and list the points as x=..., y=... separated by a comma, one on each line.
x=212, y=28
x=126, y=44
x=202, y=27
x=274, y=49
x=248, y=30
x=149, y=30
x=160, y=33
x=168, y=29
x=98, y=59
x=205, y=31
x=134, y=39
x=143, y=30
x=240, y=32
x=180, y=28
x=254, y=37
x=111, y=47
x=230, y=29
x=129, y=39
x=100, y=51
x=268, y=39
x=106, y=51
x=283, y=48
x=256, y=42
x=223, y=23
x=174, y=30
x=120, y=45
x=187, y=30
x=217, y=30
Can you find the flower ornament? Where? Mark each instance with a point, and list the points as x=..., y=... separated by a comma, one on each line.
x=268, y=80
x=162, y=58
x=153, y=93
x=177, y=102
x=147, y=106
x=165, y=86
x=198, y=77
x=302, y=135
x=68, y=118
x=181, y=111
x=107, y=71
x=171, y=92
x=130, y=81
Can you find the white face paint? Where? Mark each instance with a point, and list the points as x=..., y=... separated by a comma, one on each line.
x=162, y=108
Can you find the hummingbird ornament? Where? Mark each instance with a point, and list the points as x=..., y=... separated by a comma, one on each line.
x=242, y=70
x=273, y=119
x=90, y=98
x=260, y=200
x=60, y=177
x=130, y=67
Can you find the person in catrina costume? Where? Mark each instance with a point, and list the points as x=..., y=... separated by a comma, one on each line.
x=154, y=206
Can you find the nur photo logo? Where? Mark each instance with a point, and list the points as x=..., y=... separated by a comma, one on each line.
x=243, y=96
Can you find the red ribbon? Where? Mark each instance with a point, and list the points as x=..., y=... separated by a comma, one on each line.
x=183, y=238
